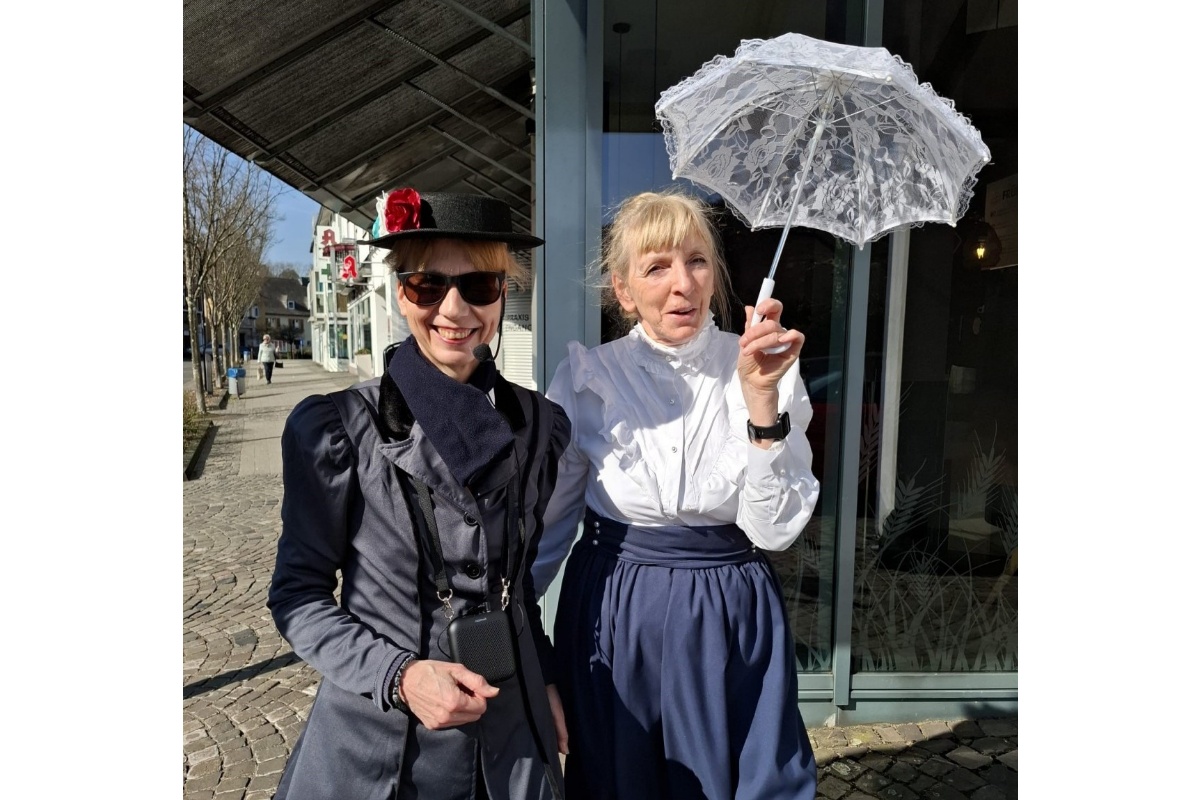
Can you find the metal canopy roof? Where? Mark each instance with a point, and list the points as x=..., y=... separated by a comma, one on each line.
x=343, y=103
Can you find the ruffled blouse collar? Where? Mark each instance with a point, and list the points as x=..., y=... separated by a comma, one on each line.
x=690, y=355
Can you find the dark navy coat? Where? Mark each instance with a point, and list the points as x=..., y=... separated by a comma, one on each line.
x=344, y=510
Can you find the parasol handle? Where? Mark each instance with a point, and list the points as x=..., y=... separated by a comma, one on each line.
x=768, y=285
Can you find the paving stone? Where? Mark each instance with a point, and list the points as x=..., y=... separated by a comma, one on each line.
x=903, y=772
x=937, y=745
x=892, y=750
x=966, y=757
x=268, y=753
x=232, y=784
x=238, y=755
x=1001, y=777
x=846, y=770
x=936, y=767
x=932, y=729
x=1009, y=759
x=274, y=765
x=209, y=781
x=832, y=787
x=989, y=793
x=828, y=737
x=862, y=735
x=940, y=791
x=854, y=751
x=910, y=732
x=963, y=779
x=210, y=767
x=889, y=734
x=897, y=791
x=279, y=712
x=267, y=782
x=194, y=735
x=274, y=740
x=260, y=733
x=824, y=756
x=967, y=729
x=876, y=761
x=998, y=727
x=992, y=746
x=872, y=781
x=921, y=784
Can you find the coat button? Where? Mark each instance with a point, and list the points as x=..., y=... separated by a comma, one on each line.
x=470, y=519
x=473, y=571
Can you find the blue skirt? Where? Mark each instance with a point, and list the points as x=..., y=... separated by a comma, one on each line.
x=677, y=669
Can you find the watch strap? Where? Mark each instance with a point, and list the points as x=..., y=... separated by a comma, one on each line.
x=781, y=428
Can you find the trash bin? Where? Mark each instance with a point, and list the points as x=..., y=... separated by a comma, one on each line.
x=237, y=380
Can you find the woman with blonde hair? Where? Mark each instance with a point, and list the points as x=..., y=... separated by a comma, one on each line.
x=687, y=459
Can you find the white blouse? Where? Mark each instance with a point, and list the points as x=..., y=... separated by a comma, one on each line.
x=658, y=437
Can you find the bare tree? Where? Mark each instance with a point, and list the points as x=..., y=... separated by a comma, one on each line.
x=225, y=200
x=232, y=286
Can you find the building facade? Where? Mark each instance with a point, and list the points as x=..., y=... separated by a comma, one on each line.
x=281, y=310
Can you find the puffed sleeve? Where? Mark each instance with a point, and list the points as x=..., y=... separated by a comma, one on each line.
x=566, y=505
x=779, y=491
x=548, y=475
x=319, y=485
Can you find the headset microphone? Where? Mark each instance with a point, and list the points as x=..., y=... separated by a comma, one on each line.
x=482, y=352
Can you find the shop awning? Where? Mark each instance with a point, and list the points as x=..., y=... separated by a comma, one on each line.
x=342, y=102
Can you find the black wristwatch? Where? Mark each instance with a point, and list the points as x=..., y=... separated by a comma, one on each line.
x=783, y=424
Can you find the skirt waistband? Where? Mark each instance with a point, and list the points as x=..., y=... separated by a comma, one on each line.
x=677, y=546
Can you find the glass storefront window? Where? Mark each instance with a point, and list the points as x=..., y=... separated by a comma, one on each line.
x=935, y=573
x=933, y=566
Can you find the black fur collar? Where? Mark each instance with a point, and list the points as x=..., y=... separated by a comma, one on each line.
x=397, y=418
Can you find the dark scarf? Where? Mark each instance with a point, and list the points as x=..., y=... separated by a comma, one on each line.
x=461, y=423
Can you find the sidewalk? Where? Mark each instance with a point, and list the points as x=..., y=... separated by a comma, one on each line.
x=246, y=695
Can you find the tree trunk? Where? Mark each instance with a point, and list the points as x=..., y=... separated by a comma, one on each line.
x=193, y=334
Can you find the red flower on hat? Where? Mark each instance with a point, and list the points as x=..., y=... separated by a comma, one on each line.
x=402, y=211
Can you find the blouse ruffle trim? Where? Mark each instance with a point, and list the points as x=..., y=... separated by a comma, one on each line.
x=591, y=370
x=692, y=355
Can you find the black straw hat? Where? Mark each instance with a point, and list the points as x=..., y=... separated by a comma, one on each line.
x=406, y=214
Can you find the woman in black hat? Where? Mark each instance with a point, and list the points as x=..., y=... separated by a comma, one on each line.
x=425, y=489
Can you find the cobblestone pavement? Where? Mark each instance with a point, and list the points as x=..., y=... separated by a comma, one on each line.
x=246, y=695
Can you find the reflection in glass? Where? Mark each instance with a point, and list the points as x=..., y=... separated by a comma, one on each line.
x=935, y=559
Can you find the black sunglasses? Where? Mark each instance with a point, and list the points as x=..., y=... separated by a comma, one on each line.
x=429, y=288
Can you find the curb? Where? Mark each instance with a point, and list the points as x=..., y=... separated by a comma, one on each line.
x=189, y=472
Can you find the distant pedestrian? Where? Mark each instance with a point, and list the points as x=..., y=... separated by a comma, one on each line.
x=266, y=356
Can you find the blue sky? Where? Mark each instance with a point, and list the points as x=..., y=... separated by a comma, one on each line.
x=293, y=233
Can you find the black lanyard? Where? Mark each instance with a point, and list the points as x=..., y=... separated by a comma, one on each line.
x=514, y=530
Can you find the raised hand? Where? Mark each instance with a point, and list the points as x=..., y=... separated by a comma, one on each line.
x=758, y=370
